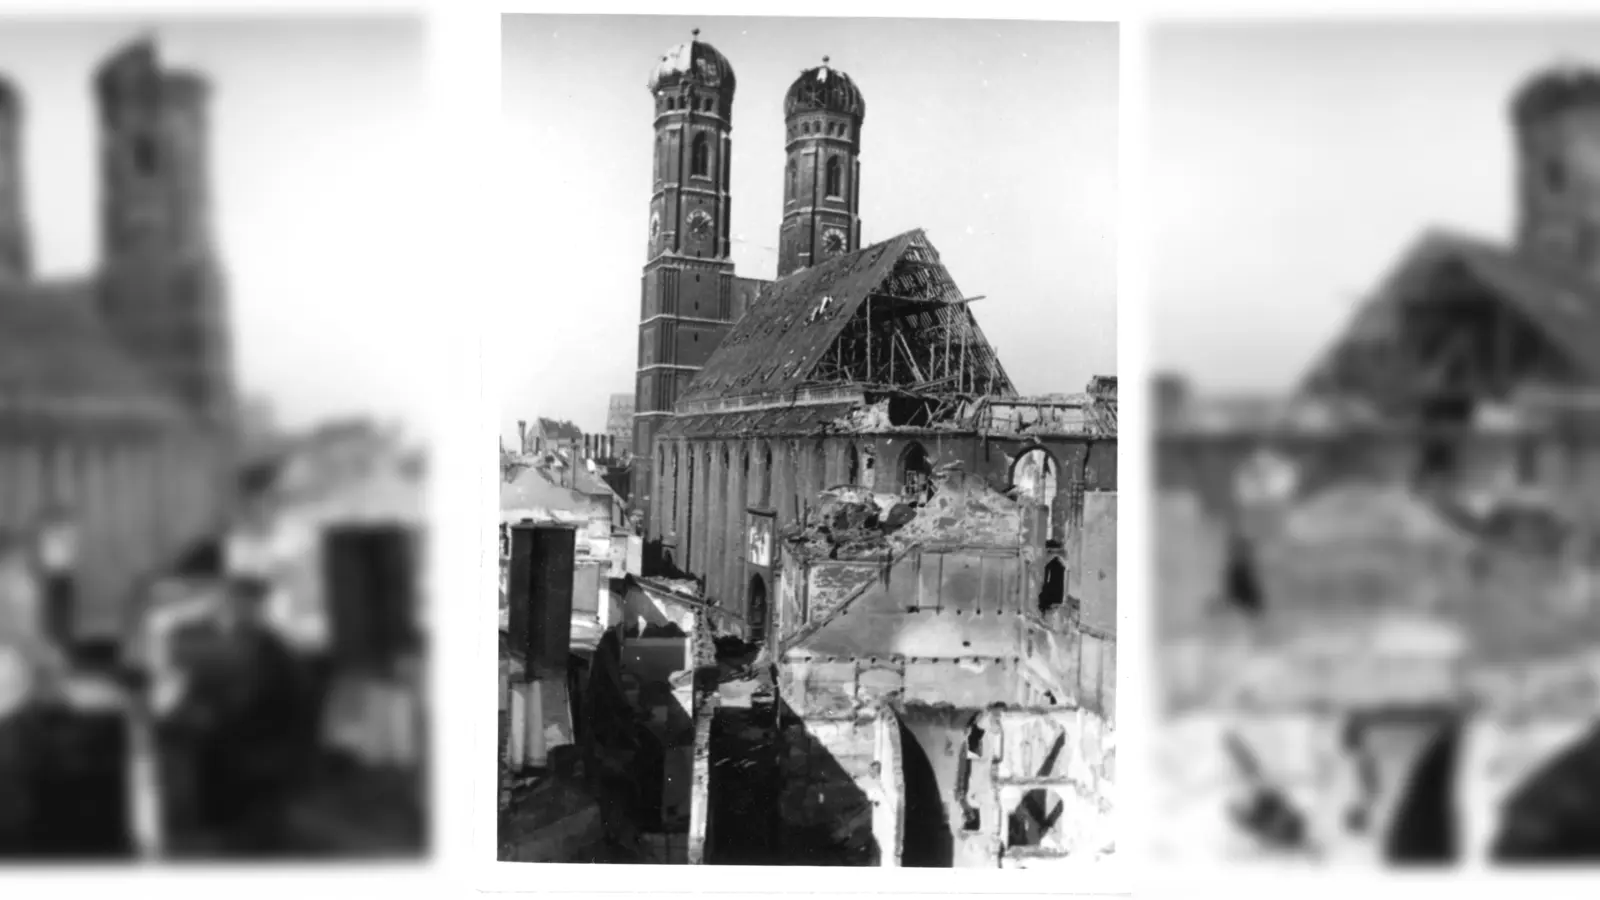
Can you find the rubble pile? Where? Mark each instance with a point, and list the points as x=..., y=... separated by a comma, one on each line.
x=851, y=523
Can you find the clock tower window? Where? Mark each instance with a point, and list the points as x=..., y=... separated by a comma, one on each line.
x=699, y=157
x=835, y=177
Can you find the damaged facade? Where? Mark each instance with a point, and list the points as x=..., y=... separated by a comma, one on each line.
x=1416, y=530
x=884, y=581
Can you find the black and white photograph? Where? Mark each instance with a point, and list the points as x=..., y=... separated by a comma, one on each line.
x=808, y=441
x=1374, y=316
x=212, y=487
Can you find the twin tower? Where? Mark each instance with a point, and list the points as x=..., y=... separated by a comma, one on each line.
x=691, y=296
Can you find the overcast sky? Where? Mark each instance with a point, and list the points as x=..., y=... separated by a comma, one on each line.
x=998, y=138
x=315, y=125
x=1292, y=165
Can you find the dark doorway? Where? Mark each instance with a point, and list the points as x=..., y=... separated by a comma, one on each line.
x=756, y=610
x=1554, y=816
x=1424, y=829
x=1053, y=590
x=928, y=843
x=916, y=475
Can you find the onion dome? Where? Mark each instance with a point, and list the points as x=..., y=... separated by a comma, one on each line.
x=694, y=63
x=824, y=89
x=1555, y=89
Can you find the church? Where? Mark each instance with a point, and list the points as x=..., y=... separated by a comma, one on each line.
x=116, y=387
x=859, y=366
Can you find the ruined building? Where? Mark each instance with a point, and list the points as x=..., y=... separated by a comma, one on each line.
x=835, y=467
x=116, y=387
x=1422, y=520
x=1461, y=325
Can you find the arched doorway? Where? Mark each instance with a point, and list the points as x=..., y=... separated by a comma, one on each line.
x=756, y=609
x=916, y=473
x=1033, y=477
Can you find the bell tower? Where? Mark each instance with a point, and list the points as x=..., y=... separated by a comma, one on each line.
x=823, y=112
x=1556, y=123
x=689, y=298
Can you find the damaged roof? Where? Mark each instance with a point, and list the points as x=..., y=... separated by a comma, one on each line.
x=778, y=344
x=1562, y=306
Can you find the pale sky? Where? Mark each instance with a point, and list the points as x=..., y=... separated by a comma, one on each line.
x=1292, y=164
x=998, y=138
x=315, y=126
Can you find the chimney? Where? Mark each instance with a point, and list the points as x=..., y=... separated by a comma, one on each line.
x=522, y=435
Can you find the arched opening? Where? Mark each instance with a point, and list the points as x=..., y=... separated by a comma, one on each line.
x=755, y=610
x=869, y=468
x=852, y=463
x=916, y=473
x=794, y=180
x=675, y=491
x=1053, y=587
x=699, y=156
x=1554, y=815
x=766, y=477
x=144, y=156
x=1033, y=477
x=835, y=177
x=927, y=842
x=1425, y=828
x=1034, y=817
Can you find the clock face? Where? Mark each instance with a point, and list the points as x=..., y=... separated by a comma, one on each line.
x=699, y=224
x=833, y=242
x=655, y=227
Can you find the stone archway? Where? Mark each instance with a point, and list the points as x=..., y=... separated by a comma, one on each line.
x=756, y=609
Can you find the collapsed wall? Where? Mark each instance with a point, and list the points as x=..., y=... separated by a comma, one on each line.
x=930, y=713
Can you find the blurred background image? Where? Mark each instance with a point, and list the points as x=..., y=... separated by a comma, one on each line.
x=1377, y=534
x=211, y=470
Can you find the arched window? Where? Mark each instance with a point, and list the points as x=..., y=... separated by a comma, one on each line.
x=766, y=477
x=675, y=491
x=1034, y=478
x=869, y=468
x=699, y=156
x=794, y=180
x=835, y=177
x=852, y=462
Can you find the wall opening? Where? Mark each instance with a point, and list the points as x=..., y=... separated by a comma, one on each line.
x=1424, y=829
x=144, y=156
x=699, y=157
x=756, y=609
x=869, y=469
x=1053, y=587
x=794, y=180
x=916, y=473
x=766, y=477
x=835, y=177
x=1034, y=817
x=1552, y=816
x=927, y=840
x=971, y=755
x=852, y=473
x=1034, y=478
